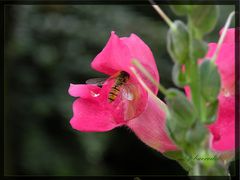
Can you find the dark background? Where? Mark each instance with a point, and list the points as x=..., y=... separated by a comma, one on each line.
x=46, y=48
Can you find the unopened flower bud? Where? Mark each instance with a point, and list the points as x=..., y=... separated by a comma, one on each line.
x=178, y=42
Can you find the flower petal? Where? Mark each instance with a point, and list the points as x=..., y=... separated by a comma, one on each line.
x=114, y=57
x=230, y=36
x=118, y=54
x=223, y=129
x=150, y=126
x=139, y=50
x=83, y=90
x=90, y=116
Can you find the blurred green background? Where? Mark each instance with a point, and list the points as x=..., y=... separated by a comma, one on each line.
x=46, y=48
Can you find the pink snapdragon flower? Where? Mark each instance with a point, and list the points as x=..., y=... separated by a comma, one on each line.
x=133, y=106
x=223, y=129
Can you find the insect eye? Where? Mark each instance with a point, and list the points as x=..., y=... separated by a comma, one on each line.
x=125, y=74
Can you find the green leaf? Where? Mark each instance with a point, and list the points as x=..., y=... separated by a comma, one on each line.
x=180, y=108
x=181, y=9
x=178, y=42
x=204, y=18
x=179, y=156
x=196, y=134
x=174, y=155
x=199, y=49
x=176, y=131
x=179, y=77
x=211, y=112
x=209, y=80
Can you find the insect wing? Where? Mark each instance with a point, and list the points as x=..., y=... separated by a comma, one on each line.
x=128, y=99
x=127, y=94
x=97, y=81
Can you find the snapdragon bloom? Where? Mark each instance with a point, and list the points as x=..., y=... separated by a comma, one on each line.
x=222, y=131
x=122, y=101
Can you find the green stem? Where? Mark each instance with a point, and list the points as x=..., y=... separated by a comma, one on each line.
x=193, y=73
x=162, y=14
x=196, y=170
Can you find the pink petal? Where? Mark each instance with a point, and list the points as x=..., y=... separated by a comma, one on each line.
x=140, y=51
x=83, y=90
x=223, y=129
x=226, y=65
x=211, y=50
x=118, y=54
x=230, y=36
x=187, y=91
x=114, y=57
x=90, y=116
x=150, y=126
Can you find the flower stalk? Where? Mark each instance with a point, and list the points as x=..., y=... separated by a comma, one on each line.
x=162, y=14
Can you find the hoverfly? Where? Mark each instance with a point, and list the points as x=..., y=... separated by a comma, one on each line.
x=121, y=78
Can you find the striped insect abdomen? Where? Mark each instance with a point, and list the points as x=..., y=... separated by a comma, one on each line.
x=121, y=79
